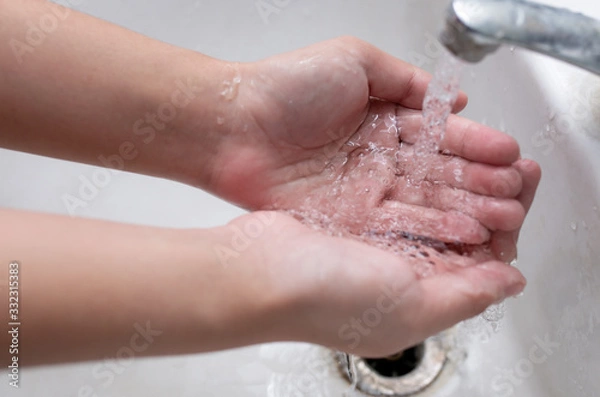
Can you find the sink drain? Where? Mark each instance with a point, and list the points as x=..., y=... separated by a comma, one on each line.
x=399, y=364
x=401, y=375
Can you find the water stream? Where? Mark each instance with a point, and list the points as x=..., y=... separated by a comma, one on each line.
x=347, y=216
x=437, y=106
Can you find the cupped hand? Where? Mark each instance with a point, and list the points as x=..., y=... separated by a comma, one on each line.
x=328, y=131
x=356, y=298
x=327, y=134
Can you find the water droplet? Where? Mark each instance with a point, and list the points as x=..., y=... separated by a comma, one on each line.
x=458, y=175
x=220, y=120
x=574, y=226
x=231, y=87
x=457, y=355
x=390, y=120
x=494, y=313
x=512, y=48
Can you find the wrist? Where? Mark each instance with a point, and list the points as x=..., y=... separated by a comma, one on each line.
x=275, y=264
x=241, y=294
x=209, y=116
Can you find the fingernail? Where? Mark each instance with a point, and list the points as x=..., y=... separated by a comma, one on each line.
x=514, y=289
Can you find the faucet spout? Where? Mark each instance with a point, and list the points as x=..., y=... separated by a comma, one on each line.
x=476, y=28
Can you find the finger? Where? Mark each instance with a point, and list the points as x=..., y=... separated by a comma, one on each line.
x=465, y=138
x=504, y=244
x=504, y=182
x=448, y=298
x=461, y=102
x=531, y=174
x=394, y=80
x=443, y=226
x=493, y=213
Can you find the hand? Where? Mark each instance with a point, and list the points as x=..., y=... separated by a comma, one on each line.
x=313, y=138
x=326, y=287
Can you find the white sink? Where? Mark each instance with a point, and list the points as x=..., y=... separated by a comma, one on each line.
x=552, y=109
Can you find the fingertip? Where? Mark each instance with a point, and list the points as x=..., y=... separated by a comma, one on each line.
x=461, y=102
x=392, y=79
x=499, y=279
x=510, y=147
x=529, y=169
x=531, y=173
x=510, y=280
x=504, y=245
x=462, y=293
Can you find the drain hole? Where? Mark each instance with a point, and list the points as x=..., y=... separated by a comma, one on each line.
x=399, y=364
x=404, y=374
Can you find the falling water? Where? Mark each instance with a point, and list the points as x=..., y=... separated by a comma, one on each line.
x=425, y=255
x=439, y=100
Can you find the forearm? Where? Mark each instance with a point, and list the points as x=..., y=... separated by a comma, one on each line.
x=88, y=287
x=93, y=92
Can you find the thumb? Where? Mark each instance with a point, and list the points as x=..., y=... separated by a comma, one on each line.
x=396, y=81
x=459, y=294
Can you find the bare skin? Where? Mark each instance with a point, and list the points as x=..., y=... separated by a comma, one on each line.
x=270, y=135
x=289, y=161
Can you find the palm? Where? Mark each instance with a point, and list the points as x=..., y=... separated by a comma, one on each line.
x=327, y=136
x=340, y=279
x=322, y=147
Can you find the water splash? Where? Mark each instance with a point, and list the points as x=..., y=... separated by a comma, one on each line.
x=426, y=256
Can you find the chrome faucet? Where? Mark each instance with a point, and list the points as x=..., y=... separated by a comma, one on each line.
x=476, y=28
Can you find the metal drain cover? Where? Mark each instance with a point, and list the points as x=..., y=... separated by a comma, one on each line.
x=417, y=368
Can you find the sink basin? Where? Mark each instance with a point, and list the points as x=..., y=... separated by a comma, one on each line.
x=545, y=343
